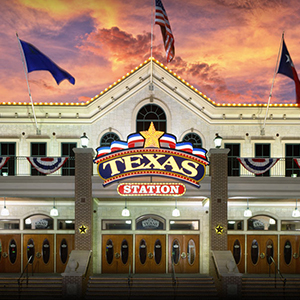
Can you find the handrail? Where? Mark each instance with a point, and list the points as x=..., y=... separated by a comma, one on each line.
x=25, y=269
x=129, y=277
x=174, y=280
x=283, y=279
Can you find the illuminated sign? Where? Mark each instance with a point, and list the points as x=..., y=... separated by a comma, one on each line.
x=151, y=189
x=151, y=153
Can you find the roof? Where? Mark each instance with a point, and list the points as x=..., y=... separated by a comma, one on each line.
x=133, y=71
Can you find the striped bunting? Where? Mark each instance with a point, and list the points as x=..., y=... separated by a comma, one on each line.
x=47, y=165
x=257, y=165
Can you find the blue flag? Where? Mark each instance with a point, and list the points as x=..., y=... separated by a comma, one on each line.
x=287, y=68
x=37, y=61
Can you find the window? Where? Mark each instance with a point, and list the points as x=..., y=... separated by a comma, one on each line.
x=38, y=222
x=263, y=151
x=65, y=224
x=262, y=222
x=233, y=163
x=116, y=225
x=150, y=222
x=290, y=225
x=151, y=113
x=108, y=138
x=235, y=225
x=8, y=149
x=291, y=151
x=38, y=149
x=68, y=168
x=193, y=138
x=9, y=224
x=184, y=225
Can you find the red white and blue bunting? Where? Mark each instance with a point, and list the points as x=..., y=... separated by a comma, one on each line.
x=257, y=165
x=47, y=165
x=3, y=161
x=297, y=161
x=136, y=140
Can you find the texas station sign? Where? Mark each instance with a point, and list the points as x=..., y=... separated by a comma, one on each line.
x=151, y=153
x=151, y=189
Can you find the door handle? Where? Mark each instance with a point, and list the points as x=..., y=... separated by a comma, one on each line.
x=295, y=255
x=117, y=255
x=4, y=254
x=38, y=254
x=183, y=255
x=262, y=255
x=150, y=255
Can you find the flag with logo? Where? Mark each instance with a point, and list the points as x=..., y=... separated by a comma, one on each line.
x=161, y=19
x=287, y=68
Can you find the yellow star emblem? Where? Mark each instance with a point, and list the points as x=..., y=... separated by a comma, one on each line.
x=219, y=229
x=82, y=229
x=151, y=137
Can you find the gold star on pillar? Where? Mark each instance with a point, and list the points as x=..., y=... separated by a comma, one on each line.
x=219, y=229
x=82, y=229
x=151, y=136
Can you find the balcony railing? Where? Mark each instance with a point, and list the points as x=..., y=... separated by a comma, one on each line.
x=19, y=166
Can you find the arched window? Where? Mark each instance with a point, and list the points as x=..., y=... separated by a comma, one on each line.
x=262, y=222
x=151, y=113
x=193, y=138
x=108, y=138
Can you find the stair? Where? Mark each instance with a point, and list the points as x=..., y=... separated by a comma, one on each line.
x=151, y=288
x=38, y=288
x=264, y=288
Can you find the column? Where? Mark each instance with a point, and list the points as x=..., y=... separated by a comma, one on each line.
x=74, y=279
x=218, y=199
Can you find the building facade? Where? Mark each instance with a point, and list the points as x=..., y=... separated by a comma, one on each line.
x=149, y=239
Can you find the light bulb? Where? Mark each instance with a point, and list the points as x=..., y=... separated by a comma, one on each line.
x=176, y=212
x=125, y=212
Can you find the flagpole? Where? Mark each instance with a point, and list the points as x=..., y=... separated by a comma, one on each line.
x=38, y=132
x=151, y=62
x=262, y=131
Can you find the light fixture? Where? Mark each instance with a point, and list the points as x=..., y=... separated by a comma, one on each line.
x=28, y=221
x=247, y=212
x=84, y=141
x=54, y=211
x=218, y=141
x=125, y=211
x=4, y=210
x=296, y=212
x=272, y=221
x=176, y=212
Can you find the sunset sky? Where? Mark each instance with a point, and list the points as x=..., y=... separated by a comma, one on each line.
x=227, y=49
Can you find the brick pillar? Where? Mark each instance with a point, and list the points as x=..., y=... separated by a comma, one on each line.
x=83, y=198
x=218, y=199
x=228, y=285
x=74, y=287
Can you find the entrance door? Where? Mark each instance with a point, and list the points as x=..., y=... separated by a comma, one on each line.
x=116, y=253
x=64, y=246
x=184, y=250
x=289, y=254
x=236, y=244
x=10, y=253
x=41, y=248
x=259, y=250
x=150, y=253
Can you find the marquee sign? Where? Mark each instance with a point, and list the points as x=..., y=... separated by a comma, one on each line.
x=151, y=189
x=151, y=153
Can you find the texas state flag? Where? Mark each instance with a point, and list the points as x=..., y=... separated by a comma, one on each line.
x=287, y=68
